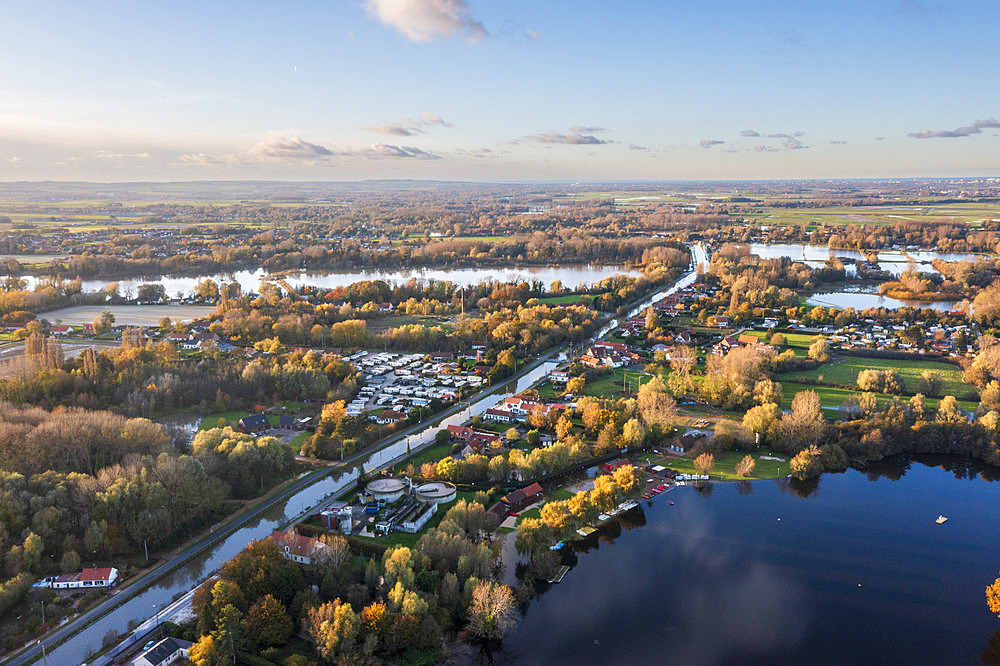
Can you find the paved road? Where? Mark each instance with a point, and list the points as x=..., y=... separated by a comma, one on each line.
x=80, y=622
x=33, y=652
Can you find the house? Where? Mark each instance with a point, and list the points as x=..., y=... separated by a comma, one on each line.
x=286, y=421
x=612, y=354
x=463, y=433
x=480, y=345
x=685, y=443
x=385, y=307
x=498, y=512
x=519, y=499
x=86, y=579
x=180, y=337
x=164, y=653
x=721, y=321
x=559, y=376
x=520, y=405
x=297, y=548
x=390, y=416
x=747, y=339
x=499, y=415
x=60, y=330
x=481, y=440
x=254, y=424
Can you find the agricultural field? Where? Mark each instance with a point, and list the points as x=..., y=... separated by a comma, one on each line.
x=128, y=315
x=28, y=259
x=962, y=213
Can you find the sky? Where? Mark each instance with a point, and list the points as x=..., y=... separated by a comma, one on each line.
x=498, y=90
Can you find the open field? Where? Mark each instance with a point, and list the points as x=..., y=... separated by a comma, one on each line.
x=843, y=371
x=725, y=465
x=962, y=213
x=129, y=315
x=831, y=397
x=610, y=385
x=561, y=300
x=28, y=259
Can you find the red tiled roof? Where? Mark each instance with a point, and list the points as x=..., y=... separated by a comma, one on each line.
x=296, y=543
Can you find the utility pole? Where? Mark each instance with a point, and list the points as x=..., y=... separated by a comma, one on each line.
x=45, y=660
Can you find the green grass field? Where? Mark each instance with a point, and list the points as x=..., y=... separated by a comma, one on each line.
x=296, y=444
x=725, y=465
x=570, y=299
x=610, y=385
x=831, y=398
x=844, y=371
x=433, y=454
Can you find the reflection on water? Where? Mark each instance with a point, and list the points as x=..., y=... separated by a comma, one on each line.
x=784, y=574
x=891, y=261
x=863, y=300
x=196, y=570
x=571, y=277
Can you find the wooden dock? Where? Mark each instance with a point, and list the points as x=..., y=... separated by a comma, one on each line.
x=563, y=570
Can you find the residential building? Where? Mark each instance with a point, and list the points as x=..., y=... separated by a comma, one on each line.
x=164, y=653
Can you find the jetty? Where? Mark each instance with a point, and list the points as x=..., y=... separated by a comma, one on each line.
x=563, y=570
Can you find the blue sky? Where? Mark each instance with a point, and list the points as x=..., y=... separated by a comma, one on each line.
x=501, y=90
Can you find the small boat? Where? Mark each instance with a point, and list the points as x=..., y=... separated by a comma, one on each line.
x=670, y=502
x=940, y=520
x=645, y=496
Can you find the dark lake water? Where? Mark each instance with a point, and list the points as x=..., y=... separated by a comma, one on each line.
x=856, y=571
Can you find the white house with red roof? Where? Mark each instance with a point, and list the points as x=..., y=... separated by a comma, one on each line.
x=86, y=579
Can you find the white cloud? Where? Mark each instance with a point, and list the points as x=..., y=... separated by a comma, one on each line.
x=573, y=137
x=282, y=150
x=428, y=20
x=110, y=155
x=968, y=130
x=409, y=126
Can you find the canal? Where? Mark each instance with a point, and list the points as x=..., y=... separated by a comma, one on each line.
x=181, y=580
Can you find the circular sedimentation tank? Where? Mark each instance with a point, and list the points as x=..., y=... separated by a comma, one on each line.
x=388, y=489
x=436, y=492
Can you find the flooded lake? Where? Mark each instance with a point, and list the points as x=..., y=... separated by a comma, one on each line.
x=892, y=261
x=571, y=277
x=855, y=571
x=863, y=300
